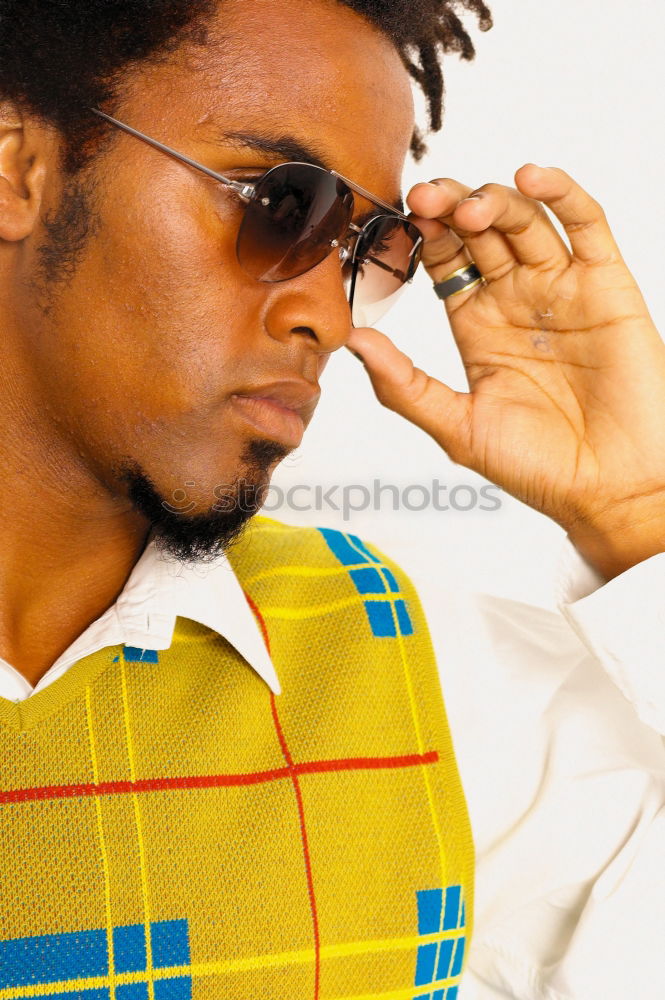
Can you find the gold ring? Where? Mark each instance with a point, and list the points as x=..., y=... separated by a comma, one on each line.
x=458, y=281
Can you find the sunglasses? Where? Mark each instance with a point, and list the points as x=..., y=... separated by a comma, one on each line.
x=297, y=214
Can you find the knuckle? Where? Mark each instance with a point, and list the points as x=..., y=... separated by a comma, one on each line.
x=580, y=227
x=539, y=213
x=592, y=208
x=491, y=274
x=409, y=392
x=520, y=228
x=599, y=211
x=383, y=395
x=491, y=188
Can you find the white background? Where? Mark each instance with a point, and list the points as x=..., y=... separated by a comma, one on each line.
x=576, y=84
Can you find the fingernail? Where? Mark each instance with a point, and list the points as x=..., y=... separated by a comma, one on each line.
x=472, y=197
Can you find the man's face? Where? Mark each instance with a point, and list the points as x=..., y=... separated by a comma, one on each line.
x=138, y=355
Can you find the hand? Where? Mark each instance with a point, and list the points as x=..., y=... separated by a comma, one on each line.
x=566, y=370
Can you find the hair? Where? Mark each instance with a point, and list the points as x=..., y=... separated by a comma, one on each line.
x=423, y=31
x=57, y=59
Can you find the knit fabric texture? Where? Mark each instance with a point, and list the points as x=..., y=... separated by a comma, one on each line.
x=169, y=829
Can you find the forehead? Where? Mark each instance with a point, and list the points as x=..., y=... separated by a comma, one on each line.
x=313, y=69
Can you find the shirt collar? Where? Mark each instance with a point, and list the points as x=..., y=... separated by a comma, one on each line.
x=161, y=588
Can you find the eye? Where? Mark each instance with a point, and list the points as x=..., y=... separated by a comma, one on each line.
x=375, y=249
x=379, y=247
x=379, y=238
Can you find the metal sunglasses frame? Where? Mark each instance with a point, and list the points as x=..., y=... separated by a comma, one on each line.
x=247, y=193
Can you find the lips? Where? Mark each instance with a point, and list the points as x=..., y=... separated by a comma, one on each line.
x=278, y=410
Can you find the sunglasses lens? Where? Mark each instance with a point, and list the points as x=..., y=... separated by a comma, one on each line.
x=386, y=258
x=289, y=227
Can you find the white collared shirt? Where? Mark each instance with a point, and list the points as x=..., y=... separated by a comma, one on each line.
x=558, y=722
x=159, y=590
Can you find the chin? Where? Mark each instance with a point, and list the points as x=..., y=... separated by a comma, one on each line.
x=184, y=533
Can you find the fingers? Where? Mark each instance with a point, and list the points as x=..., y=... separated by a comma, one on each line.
x=582, y=217
x=400, y=386
x=500, y=226
x=440, y=201
x=444, y=250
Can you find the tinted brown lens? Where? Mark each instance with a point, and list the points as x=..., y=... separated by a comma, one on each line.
x=386, y=258
x=290, y=225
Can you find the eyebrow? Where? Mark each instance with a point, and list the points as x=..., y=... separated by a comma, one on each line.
x=286, y=146
x=291, y=149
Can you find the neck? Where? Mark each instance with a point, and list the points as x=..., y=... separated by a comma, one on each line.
x=68, y=544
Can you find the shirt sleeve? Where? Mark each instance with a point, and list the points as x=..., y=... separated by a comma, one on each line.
x=623, y=625
x=563, y=762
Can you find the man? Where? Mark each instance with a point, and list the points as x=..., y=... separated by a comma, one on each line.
x=173, y=825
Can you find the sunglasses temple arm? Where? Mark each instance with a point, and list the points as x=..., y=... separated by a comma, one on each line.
x=386, y=267
x=244, y=190
x=364, y=193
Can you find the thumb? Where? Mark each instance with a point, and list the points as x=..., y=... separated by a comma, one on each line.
x=424, y=401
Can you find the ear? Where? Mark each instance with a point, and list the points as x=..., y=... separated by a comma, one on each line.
x=24, y=154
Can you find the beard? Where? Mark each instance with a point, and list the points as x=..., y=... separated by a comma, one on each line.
x=202, y=537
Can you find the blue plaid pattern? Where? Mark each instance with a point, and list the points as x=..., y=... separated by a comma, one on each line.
x=439, y=963
x=386, y=612
x=82, y=956
x=133, y=655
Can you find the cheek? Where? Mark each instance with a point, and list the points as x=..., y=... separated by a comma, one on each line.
x=151, y=318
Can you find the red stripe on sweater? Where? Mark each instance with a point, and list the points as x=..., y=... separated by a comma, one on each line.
x=305, y=847
x=45, y=792
x=259, y=618
x=301, y=809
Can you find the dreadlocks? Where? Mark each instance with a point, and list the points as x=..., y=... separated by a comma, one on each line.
x=423, y=30
x=58, y=59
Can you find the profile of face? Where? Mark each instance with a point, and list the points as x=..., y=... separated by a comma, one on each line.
x=142, y=334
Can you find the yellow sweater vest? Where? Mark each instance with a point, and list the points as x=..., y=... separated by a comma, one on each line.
x=170, y=829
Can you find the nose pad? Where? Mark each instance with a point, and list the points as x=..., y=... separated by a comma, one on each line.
x=345, y=256
x=345, y=251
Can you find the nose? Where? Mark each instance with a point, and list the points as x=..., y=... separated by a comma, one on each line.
x=313, y=305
